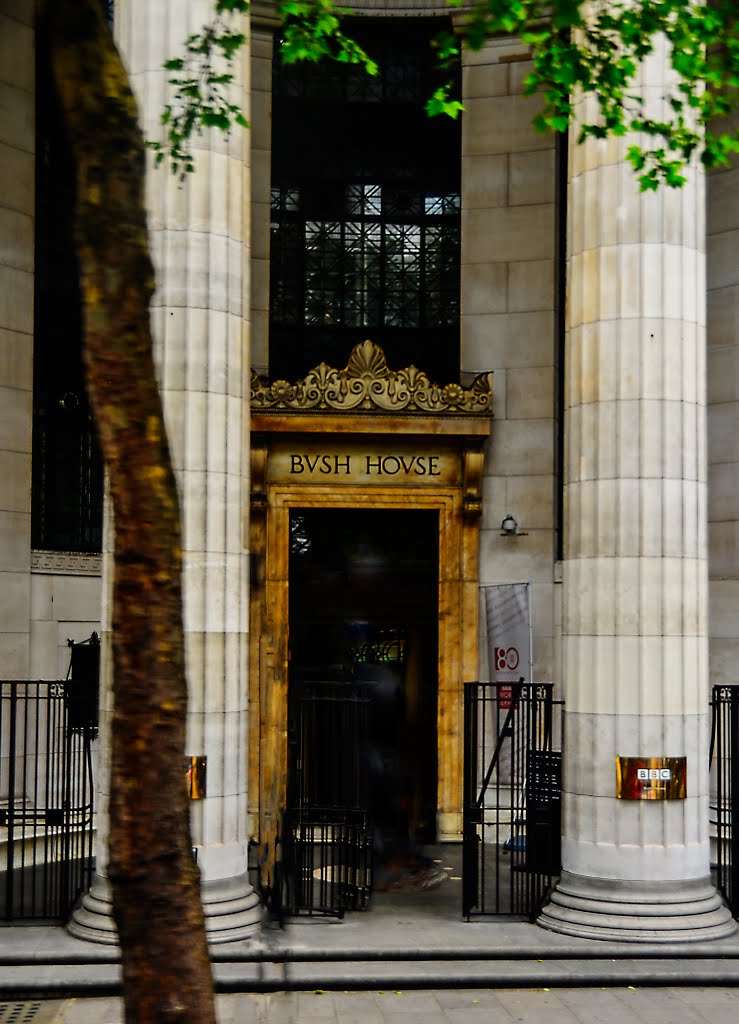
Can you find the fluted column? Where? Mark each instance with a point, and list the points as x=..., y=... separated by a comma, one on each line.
x=635, y=572
x=200, y=241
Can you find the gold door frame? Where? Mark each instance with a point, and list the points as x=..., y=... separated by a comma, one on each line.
x=458, y=546
x=354, y=410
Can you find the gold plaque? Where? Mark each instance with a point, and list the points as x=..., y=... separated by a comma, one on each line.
x=195, y=777
x=651, y=778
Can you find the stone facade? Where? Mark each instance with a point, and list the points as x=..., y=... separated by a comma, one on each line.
x=722, y=236
x=622, y=392
x=17, y=155
x=509, y=324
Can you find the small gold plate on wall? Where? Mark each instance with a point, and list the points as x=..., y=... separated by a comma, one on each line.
x=195, y=771
x=651, y=778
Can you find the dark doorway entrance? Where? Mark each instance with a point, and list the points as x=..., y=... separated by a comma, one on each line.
x=364, y=639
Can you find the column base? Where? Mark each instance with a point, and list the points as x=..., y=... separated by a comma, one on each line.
x=92, y=920
x=232, y=910
x=626, y=911
x=231, y=907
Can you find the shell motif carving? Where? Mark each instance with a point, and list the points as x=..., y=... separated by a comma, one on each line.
x=367, y=384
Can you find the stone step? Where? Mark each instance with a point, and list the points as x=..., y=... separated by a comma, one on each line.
x=60, y=980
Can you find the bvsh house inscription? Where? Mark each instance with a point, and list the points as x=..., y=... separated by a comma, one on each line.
x=339, y=465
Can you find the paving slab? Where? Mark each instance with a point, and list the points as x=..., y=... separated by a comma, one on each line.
x=625, y=1004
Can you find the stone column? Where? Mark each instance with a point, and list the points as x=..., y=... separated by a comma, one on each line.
x=200, y=240
x=635, y=650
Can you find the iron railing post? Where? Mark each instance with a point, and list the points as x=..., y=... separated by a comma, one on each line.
x=12, y=740
x=470, y=810
x=733, y=797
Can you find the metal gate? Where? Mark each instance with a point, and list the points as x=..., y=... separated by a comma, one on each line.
x=327, y=838
x=724, y=763
x=512, y=780
x=46, y=795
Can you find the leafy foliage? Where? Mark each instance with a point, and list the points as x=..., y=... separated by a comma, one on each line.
x=201, y=79
x=311, y=31
x=594, y=47
x=597, y=48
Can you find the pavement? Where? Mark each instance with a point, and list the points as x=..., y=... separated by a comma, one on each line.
x=407, y=951
x=625, y=1004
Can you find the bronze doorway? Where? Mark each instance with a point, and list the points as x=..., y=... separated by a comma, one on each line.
x=366, y=440
x=363, y=617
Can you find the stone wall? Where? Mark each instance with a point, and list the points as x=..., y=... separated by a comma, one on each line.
x=723, y=409
x=508, y=324
x=65, y=605
x=17, y=146
x=261, y=141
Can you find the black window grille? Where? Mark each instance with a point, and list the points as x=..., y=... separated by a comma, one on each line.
x=365, y=226
x=67, y=474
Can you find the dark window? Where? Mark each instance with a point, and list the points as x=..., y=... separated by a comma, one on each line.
x=67, y=485
x=561, y=142
x=365, y=210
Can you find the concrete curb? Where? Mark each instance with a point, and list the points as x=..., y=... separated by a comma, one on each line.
x=61, y=981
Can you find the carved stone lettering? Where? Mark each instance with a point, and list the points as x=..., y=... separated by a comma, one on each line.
x=395, y=465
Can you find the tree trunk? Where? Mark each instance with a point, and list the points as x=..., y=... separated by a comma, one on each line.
x=166, y=969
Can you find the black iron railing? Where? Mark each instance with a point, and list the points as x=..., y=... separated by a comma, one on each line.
x=724, y=762
x=326, y=866
x=46, y=798
x=512, y=781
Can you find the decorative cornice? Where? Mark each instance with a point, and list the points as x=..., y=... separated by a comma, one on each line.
x=367, y=384
x=66, y=563
x=264, y=12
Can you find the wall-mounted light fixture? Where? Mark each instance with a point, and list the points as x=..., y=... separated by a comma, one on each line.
x=509, y=526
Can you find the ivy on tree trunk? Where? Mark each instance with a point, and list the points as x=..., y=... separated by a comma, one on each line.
x=156, y=897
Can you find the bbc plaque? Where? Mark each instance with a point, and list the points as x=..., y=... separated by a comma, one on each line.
x=651, y=778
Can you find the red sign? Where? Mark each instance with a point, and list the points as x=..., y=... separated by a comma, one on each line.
x=505, y=697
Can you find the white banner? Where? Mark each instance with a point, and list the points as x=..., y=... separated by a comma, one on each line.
x=508, y=614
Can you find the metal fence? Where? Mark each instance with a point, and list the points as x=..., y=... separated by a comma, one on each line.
x=724, y=761
x=326, y=866
x=46, y=797
x=512, y=782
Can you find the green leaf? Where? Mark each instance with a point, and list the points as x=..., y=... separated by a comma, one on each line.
x=440, y=102
x=215, y=119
